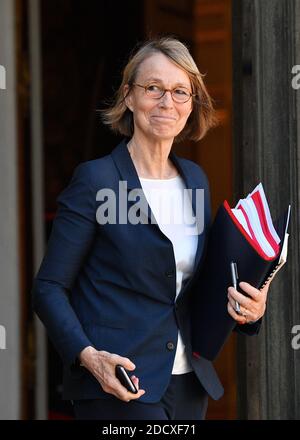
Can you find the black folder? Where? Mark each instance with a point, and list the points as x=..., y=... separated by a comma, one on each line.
x=211, y=322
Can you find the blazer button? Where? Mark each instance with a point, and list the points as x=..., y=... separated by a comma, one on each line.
x=170, y=273
x=170, y=346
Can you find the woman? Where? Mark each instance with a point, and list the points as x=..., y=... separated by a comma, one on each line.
x=116, y=282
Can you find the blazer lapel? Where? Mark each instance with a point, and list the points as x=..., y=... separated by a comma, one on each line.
x=129, y=174
x=192, y=184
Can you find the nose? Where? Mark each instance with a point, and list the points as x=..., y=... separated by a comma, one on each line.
x=166, y=100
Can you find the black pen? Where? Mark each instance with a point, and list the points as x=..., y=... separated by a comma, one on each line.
x=234, y=276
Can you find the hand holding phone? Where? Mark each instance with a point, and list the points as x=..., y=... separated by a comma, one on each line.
x=125, y=380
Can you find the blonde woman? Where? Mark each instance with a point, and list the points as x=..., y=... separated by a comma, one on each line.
x=116, y=282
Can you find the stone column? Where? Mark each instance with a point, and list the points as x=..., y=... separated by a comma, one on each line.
x=37, y=161
x=266, y=46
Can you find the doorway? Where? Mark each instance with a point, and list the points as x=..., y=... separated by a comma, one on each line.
x=84, y=46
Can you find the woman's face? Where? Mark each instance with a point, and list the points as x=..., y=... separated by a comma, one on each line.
x=159, y=119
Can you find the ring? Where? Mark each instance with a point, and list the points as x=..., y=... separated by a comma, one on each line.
x=244, y=314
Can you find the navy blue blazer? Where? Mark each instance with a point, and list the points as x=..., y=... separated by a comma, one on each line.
x=113, y=286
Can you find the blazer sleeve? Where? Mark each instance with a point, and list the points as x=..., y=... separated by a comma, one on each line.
x=248, y=329
x=244, y=329
x=71, y=238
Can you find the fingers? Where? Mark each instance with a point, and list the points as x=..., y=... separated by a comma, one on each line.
x=238, y=318
x=125, y=362
x=235, y=296
x=232, y=302
x=104, y=370
x=244, y=313
x=253, y=306
x=252, y=292
x=113, y=386
x=135, y=380
x=123, y=394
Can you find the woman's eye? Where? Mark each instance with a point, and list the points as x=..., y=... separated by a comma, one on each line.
x=181, y=92
x=153, y=88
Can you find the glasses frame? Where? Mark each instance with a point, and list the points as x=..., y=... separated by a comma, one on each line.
x=164, y=92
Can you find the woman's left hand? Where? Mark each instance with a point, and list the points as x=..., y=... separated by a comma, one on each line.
x=252, y=307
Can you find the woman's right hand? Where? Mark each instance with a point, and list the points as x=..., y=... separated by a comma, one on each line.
x=102, y=365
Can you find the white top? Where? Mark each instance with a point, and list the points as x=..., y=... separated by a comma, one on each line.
x=173, y=213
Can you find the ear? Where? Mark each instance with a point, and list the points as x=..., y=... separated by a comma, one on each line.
x=127, y=96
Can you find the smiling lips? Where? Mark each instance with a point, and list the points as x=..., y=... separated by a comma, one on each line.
x=165, y=118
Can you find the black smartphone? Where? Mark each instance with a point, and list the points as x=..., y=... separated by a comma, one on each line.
x=125, y=380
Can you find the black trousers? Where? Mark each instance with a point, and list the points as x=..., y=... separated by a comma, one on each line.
x=184, y=399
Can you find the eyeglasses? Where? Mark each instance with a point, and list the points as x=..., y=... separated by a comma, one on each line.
x=179, y=94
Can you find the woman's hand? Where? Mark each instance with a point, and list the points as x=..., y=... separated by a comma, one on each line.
x=252, y=307
x=102, y=365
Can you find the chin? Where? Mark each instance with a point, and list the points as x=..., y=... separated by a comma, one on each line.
x=164, y=135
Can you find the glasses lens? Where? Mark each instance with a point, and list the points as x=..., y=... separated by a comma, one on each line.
x=154, y=91
x=181, y=94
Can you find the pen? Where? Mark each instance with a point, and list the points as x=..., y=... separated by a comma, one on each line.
x=234, y=276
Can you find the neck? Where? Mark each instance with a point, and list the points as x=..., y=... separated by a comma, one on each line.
x=151, y=158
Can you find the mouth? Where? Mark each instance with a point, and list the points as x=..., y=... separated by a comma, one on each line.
x=164, y=118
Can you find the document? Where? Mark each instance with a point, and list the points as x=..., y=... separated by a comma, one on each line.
x=246, y=235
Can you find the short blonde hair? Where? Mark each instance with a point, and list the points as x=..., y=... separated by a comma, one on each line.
x=203, y=115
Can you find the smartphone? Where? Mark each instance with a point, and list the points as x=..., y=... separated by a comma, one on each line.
x=125, y=380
